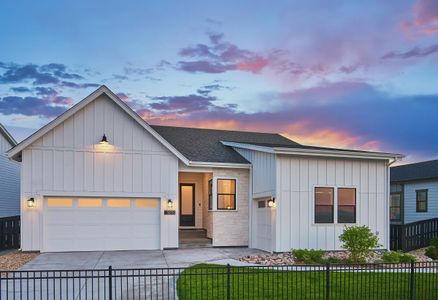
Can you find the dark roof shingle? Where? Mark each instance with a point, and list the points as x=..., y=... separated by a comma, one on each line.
x=204, y=145
x=416, y=171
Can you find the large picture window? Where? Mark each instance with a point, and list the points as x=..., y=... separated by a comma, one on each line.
x=395, y=207
x=421, y=200
x=346, y=205
x=324, y=205
x=226, y=194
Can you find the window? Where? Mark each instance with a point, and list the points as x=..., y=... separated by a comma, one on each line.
x=324, y=205
x=146, y=203
x=90, y=202
x=226, y=194
x=119, y=203
x=395, y=207
x=210, y=194
x=421, y=200
x=346, y=205
x=261, y=204
x=60, y=202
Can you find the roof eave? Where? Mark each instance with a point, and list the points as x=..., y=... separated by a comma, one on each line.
x=7, y=135
x=15, y=151
x=317, y=152
x=336, y=153
x=218, y=165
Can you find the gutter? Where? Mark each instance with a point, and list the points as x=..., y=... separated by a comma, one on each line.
x=317, y=152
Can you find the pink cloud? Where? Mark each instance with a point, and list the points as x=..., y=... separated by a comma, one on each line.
x=424, y=19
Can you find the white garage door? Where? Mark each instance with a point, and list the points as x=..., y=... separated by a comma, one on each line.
x=87, y=224
x=263, y=227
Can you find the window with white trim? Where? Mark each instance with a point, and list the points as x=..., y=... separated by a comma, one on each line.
x=334, y=205
x=226, y=194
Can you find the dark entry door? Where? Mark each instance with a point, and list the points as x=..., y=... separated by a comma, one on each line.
x=187, y=204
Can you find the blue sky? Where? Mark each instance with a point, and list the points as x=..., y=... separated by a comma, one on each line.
x=335, y=73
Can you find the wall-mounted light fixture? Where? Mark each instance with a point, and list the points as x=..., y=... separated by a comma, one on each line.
x=169, y=203
x=31, y=202
x=272, y=203
x=104, y=140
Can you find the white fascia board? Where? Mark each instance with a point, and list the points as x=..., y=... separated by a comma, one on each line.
x=12, y=153
x=249, y=147
x=7, y=135
x=218, y=165
x=316, y=152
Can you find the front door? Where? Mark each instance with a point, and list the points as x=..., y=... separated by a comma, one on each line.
x=187, y=204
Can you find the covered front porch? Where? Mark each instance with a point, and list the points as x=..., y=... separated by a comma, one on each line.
x=195, y=220
x=213, y=208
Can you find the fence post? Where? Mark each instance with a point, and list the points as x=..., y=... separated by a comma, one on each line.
x=327, y=281
x=228, y=281
x=110, y=283
x=412, y=282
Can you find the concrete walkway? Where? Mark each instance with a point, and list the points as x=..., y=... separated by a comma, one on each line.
x=136, y=259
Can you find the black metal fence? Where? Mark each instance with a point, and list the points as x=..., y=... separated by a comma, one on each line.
x=335, y=281
x=10, y=233
x=413, y=236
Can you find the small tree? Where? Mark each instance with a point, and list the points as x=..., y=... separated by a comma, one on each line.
x=359, y=241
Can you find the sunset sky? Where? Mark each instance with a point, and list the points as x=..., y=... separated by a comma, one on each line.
x=350, y=74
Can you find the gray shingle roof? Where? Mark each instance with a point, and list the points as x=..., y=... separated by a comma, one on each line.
x=204, y=145
x=417, y=171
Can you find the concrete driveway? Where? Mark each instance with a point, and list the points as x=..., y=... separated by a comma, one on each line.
x=136, y=259
x=132, y=283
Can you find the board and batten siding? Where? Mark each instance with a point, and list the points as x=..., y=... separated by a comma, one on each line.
x=410, y=200
x=68, y=161
x=263, y=172
x=9, y=182
x=296, y=180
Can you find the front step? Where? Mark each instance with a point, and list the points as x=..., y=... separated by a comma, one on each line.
x=194, y=238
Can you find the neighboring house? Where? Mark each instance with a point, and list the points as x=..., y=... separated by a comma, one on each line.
x=99, y=177
x=414, y=192
x=9, y=177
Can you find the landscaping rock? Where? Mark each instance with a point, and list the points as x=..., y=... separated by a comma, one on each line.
x=13, y=260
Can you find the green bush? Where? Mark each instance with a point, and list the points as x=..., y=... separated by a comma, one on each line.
x=397, y=257
x=332, y=260
x=359, y=241
x=432, y=251
x=309, y=256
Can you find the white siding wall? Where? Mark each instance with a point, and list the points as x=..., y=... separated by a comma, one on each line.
x=69, y=161
x=9, y=182
x=264, y=174
x=410, y=200
x=296, y=179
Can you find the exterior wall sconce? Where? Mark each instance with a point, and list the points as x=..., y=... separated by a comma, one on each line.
x=272, y=203
x=31, y=202
x=104, y=140
x=169, y=203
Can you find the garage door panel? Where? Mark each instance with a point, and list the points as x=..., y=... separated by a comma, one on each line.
x=60, y=231
x=59, y=217
x=102, y=228
x=263, y=226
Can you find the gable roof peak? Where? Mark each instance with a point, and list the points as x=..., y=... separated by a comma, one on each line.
x=15, y=153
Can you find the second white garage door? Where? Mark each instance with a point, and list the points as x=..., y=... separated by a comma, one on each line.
x=263, y=225
x=91, y=224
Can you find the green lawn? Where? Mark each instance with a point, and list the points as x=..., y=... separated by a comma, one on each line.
x=209, y=282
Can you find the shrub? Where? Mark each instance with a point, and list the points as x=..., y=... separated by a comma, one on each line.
x=359, y=241
x=308, y=256
x=397, y=257
x=332, y=260
x=432, y=251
